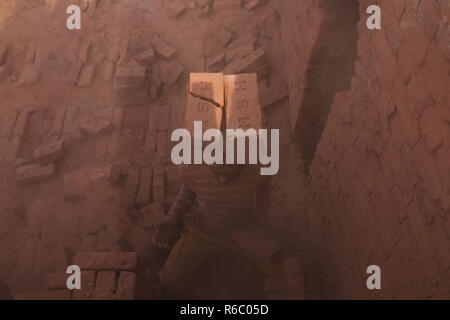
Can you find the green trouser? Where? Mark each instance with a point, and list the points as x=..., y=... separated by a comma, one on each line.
x=189, y=253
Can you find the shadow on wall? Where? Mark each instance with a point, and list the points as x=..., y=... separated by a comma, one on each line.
x=329, y=71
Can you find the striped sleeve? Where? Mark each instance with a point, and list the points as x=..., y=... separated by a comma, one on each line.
x=183, y=202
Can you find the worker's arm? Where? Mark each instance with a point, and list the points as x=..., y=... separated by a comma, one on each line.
x=182, y=204
x=169, y=229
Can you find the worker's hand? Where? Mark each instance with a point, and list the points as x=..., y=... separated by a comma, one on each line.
x=166, y=232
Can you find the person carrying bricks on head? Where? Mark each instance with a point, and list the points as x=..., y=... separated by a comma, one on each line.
x=218, y=199
x=214, y=200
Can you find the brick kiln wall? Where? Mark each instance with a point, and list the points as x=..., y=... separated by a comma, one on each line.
x=379, y=183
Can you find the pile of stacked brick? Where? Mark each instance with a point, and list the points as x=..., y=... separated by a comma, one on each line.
x=104, y=276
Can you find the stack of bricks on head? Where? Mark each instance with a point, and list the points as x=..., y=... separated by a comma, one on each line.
x=211, y=95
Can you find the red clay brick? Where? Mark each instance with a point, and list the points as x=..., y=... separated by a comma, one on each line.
x=105, y=285
x=106, y=260
x=50, y=152
x=126, y=286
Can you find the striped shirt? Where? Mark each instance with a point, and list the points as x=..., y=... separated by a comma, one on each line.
x=221, y=206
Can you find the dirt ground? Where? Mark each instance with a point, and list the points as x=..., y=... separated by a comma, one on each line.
x=39, y=230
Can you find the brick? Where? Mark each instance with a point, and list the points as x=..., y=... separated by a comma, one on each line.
x=153, y=215
x=202, y=3
x=94, y=126
x=86, y=76
x=56, y=129
x=232, y=67
x=219, y=35
x=40, y=56
x=243, y=106
x=74, y=72
x=123, y=48
x=273, y=285
x=70, y=127
x=57, y=280
x=156, y=86
x=29, y=75
x=113, y=146
x=109, y=71
x=87, y=286
x=444, y=40
x=98, y=56
x=273, y=94
x=430, y=17
x=105, y=285
x=415, y=35
x=150, y=136
x=164, y=118
x=275, y=296
x=253, y=4
x=432, y=130
x=131, y=73
x=146, y=57
x=203, y=88
x=159, y=185
x=84, y=5
x=101, y=149
x=162, y=49
x=162, y=146
x=46, y=295
x=171, y=73
x=246, y=39
x=143, y=197
x=106, y=113
x=220, y=5
x=105, y=3
x=191, y=4
x=92, y=6
x=250, y=63
x=239, y=52
x=292, y=272
x=113, y=55
x=82, y=295
x=127, y=90
x=21, y=124
x=5, y=72
x=13, y=150
x=7, y=123
x=83, y=52
x=4, y=48
x=175, y=9
x=131, y=188
x=216, y=63
x=208, y=86
x=437, y=76
x=4, y=146
x=118, y=261
x=117, y=119
x=50, y=152
x=34, y=173
x=88, y=280
x=126, y=286
x=110, y=173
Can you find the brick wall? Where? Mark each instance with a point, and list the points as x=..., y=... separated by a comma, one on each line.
x=378, y=187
